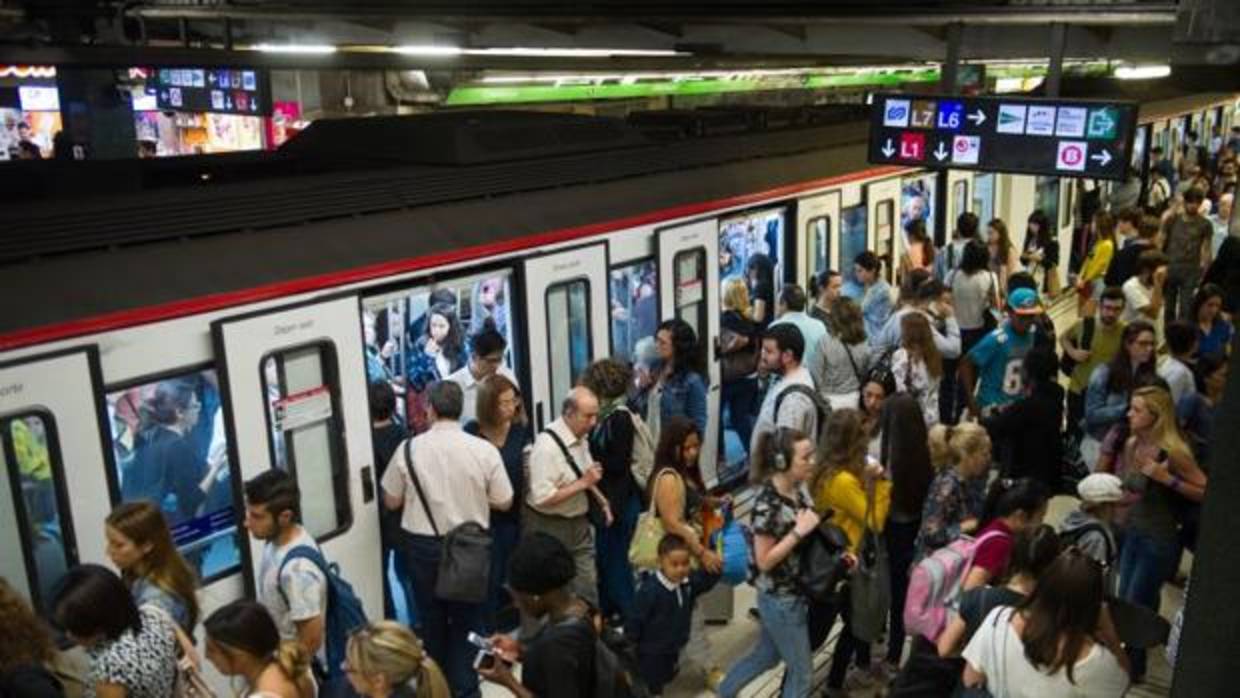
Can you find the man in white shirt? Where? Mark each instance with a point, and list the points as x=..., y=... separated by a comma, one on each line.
x=1177, y=369
x=791, y=311
x=782, y=350
x=487, y=348
x=562, y=479
x=460, y=478
x=295, y=594
x=1143, y=293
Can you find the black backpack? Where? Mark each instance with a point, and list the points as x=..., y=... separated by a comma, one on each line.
x=616, y=672
x=822, y=564
x=1067, y=364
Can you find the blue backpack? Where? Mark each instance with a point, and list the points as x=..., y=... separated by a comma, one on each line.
x=344, y=610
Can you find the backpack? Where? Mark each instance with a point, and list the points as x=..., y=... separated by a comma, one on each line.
x=616, y=671
x=1071, y=537
x=821, y=407
x=822, y=567
x=344, y=609
x=641, y=462
x=935, y=584
x=1067, y=364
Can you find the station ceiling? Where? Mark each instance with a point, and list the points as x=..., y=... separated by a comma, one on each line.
x=697, y=34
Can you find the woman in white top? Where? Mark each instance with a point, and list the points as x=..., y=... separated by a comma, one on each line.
x=918, y=366
x=1059, y=641
x=975, y=293
x=242, y=640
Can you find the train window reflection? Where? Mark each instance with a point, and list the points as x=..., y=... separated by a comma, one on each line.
x=171, y=448
x=984, y=197
x=31, y=503
x=819, y=239
x=307, y=435
x=884, y=229
x=853, y=241
x=749, y=234
x=416, y=336
x=960, y=198
x=568, y=333
x=634, y=308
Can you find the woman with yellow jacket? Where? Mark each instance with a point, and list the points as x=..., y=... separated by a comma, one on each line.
x=1090, y=283
x=840, y=488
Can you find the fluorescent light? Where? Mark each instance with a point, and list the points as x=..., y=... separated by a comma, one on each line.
x=296, y=48
x=428, y=50
x=1142, y=72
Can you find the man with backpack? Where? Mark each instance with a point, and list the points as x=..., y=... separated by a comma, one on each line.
x=1089, y=343
x=791, y=402
x=307, y=599
x=447, y=482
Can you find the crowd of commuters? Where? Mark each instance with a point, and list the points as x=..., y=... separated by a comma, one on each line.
x=909, y=424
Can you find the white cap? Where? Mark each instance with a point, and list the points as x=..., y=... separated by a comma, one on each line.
x=1100, y=487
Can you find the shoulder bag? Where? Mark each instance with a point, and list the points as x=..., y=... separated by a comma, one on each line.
x=644, y=548
x=870, y=585
x=189, y=682
x=595, y=510
x=465, y=562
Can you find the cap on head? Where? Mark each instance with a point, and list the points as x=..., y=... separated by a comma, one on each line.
x=1024, y=301
x=1100, y=488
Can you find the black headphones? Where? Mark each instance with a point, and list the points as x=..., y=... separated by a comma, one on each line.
x=780, y=460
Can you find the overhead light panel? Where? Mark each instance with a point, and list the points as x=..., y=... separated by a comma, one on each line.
x=313, y=49
x=428, y=50
x=533, y=52
x=1142, y=72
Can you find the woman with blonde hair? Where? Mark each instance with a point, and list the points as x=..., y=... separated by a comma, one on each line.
x=1158, y=467
x=738, y=348
x=842, y=360
x=242, y=640
x=386, y=660
x=141, y=547
x=844, y=487
x=958, y=494
x=918, y=365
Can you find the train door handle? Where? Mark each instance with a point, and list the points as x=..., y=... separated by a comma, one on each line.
x=368, y=484
x=538, y=415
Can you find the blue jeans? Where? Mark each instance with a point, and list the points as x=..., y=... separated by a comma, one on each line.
x=615, y=574
x=505, y=533
x=445, y=624
x=785, y=636
x=1145, y=564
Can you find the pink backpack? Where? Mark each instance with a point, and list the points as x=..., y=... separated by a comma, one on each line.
x=935, y=584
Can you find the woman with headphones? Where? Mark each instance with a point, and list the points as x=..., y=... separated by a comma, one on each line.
x=782, y=516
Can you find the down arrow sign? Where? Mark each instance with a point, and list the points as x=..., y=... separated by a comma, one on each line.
x=888, y=150
x=940, y=153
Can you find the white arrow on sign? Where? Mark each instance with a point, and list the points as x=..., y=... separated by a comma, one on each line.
x=888, y=150
x=1104, y=157
x=978, y=117
x=940, y=153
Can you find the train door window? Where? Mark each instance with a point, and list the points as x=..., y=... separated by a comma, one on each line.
x=960, y=196
x=568, y=333
x=1065, y=209
x=416, y=336
x=852, y=243
x=35, y=534
x=1046, y=197
x=885, y=231
x=745, y=236
x=171, y=448
x=1138, y=147
x=307, y=438
x=689, y=280
x=917, y=199
x=634, y=308
x=818, y=236
x=984, y=197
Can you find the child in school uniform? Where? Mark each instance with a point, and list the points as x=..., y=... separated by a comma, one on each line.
x=662, y=610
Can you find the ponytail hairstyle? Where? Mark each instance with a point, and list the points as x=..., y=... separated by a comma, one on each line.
x=1008, y=496
x=389, y=648
x=1033, y=551
x=143, y=523
x=951, y=444
x=246, y=627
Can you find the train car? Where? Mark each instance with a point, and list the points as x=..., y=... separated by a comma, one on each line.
x=244, y=304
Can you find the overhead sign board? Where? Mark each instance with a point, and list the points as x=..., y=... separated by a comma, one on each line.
x=1053, y=137
x=224, y=90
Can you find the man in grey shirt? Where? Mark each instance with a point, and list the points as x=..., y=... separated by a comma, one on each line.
x=1188, y=238
x=783, y=347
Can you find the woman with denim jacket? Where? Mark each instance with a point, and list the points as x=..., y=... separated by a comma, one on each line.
x=1111, y=384
x=678, y=388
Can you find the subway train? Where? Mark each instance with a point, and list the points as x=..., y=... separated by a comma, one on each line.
x=242, y=304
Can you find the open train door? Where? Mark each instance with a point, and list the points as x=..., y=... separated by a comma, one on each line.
x=52, y=424
x=566, y=303
x=293, y=379
x=689, y=290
